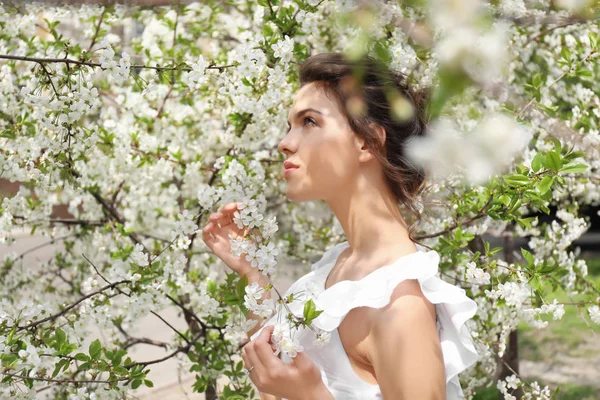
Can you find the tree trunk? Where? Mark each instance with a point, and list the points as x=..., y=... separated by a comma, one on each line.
x=510, y=360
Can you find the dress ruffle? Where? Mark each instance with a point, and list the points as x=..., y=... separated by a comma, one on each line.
x=453, y=306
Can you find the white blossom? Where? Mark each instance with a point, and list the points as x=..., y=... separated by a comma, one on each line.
x=477, y=275
x=594, y=312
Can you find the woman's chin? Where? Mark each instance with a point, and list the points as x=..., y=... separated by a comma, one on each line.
x=295, y=195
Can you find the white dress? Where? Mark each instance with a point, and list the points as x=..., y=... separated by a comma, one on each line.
x=453, y=308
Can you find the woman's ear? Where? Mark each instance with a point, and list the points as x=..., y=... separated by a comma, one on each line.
x=366, y=154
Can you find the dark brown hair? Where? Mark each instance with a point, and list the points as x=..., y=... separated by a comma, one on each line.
x=368, y=85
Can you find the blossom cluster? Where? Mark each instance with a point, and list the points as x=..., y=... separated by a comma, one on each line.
x=119, y=71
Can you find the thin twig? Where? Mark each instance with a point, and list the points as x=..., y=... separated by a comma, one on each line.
x=92, y=64
x=64, y=311
x=97, y=30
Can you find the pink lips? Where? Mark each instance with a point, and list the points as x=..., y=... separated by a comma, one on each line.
x=288, y=171
x=289, y=167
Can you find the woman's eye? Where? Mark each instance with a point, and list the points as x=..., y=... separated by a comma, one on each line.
x=304, y=120
x=309, y=119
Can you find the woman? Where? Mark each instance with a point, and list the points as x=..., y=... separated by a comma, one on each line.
x=397, y=330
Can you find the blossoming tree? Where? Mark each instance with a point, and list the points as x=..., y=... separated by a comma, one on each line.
x=147, y=120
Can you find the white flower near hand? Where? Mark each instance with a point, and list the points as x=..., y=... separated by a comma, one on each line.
x=254, y=291
x=264, y=309
x=185, y=225
x=280, y=330
x=248, y=324
x=267, y=268
x=289, y=346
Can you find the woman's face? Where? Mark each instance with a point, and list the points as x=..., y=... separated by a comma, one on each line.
x=322, y=144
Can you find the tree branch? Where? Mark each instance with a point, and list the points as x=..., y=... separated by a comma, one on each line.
x=92, y=64
x=34, y=324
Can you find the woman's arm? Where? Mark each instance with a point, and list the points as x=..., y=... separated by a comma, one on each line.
x=266, y=396
x=404, y=347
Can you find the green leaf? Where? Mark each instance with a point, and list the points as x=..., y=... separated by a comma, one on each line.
x=267, y=30
x=516, y=179
x=574, y=168
x=553, y=161
x=148, y=383
x=545, y=184
x=565, y=53
x=9, y=359
x=116, y=360
x=527, y=256
x=593, y=39
x=120, y=370
x=60, y=335
x=573, y=155
x=557, y=145
x=537, y=162
x=62, y=363
x=544, y=208
x=309, y=309
x=211, y=286
x=535, y=283
x=95, y=349
x=136, y=383
x=240, y=286
x=82, y=357
x=517, y=203
x=539, y=297
x=548, y=268
x=526, y=222
x=584, y=73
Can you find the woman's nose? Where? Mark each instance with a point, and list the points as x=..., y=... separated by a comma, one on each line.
x=284, y=145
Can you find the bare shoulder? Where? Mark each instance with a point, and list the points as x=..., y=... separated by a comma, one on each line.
x=403, y=346
x=408, y=308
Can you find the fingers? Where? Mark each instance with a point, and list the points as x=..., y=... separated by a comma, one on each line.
x=220, y=219
x=264, y=351
x=302, y=361
x=229, y=208
x=207, y=235
x=225, y=213
x=215, y=218
x=251, y=360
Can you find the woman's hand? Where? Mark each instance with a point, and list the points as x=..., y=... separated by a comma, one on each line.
x=300, y=379
x=216, y=236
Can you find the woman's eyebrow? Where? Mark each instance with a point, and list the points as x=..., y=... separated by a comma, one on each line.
x=302, y=112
